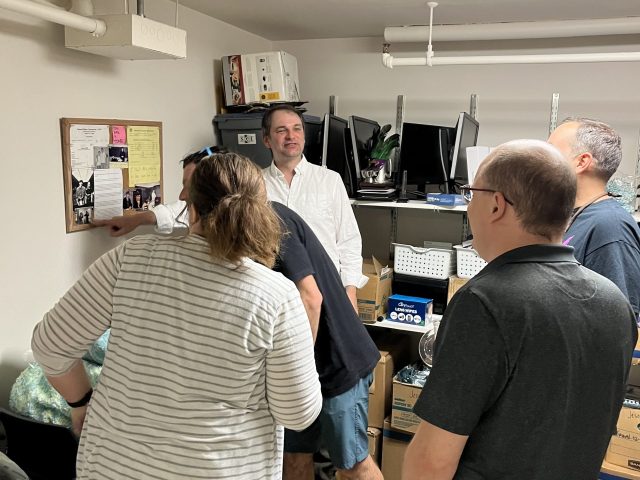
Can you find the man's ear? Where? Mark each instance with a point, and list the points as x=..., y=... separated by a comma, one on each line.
x=584, y=162
x=266, y=142
x=499, y=207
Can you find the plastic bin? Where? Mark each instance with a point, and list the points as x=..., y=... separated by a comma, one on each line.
x=242, y=133
x=468, y=261
x=423, y=262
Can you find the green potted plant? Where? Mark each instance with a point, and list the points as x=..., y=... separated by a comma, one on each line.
x=380, y=147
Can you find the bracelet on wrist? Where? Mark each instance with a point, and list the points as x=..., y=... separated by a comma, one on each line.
x=83, y=401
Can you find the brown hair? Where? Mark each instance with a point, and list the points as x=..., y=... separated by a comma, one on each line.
x=285, y=107
x=229, y=195
x=539, y=182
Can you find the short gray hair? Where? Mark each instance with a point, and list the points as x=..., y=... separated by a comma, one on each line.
x=601, y=141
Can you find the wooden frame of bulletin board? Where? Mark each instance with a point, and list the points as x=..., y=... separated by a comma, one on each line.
x=110, y=167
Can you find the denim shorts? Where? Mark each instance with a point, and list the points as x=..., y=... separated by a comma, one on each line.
x=341, y=428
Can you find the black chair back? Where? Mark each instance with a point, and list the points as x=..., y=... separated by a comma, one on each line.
x=42, y=450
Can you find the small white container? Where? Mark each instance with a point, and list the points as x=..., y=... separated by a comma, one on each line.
x=423, y=262
x=469, y=262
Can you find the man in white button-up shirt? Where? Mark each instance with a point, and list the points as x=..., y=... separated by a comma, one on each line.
x=315, y=193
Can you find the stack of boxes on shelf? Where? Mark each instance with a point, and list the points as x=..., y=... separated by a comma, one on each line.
x=391, y=399
x=623, y=455
x=394, y=353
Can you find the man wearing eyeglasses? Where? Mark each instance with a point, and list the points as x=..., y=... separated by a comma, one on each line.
x=533, y=353
x=604, y=236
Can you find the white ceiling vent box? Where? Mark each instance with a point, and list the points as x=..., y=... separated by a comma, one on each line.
x=130, y=37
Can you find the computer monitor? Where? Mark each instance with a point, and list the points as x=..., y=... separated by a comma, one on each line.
x=362, y=131
x=313, y=140
x=336, y=154
x=466, y=136
x=424, y=154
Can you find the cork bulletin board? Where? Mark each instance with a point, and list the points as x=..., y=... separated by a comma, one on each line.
x=111, y=167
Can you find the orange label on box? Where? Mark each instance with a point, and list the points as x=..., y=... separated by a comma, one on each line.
x=270, y=96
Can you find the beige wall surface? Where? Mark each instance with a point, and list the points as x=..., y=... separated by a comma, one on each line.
x=514, y=100
x=42, y=81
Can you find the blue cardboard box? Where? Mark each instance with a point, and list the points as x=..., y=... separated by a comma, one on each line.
x=445, y=199
x=411, y=310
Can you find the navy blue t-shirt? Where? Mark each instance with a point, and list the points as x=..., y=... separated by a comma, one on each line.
x=344, y=351
x=606, y=239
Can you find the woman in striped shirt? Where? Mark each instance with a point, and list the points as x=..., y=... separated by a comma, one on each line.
x=209, y=352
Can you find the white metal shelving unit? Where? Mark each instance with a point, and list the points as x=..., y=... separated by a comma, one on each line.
x=413, y=204
x=406, y=327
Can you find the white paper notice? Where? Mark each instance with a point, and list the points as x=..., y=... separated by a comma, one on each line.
x=83, y=138
x=108, y=193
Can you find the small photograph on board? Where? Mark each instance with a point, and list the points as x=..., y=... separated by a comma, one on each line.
x=101, y=157
x=83, y=215
x=146, y=196
x=127, y=200
x=119, y=154
x=83, y=192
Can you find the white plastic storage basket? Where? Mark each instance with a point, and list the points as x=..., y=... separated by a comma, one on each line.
x=469, y=262
x=423, y=262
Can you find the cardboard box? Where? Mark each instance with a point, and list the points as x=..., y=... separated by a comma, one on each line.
x=610, y=471
x=404, y=398
x=412, y=310
x=394, y=355
x=394, y=444
x=372, y=298
x=624, y=448
x=260, y=77
x=375, y=440
x=455, y=284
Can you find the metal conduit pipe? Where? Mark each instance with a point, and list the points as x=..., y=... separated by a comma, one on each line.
x=140, y=9
x=389, y=61
x=56, y=15
x=514, y=30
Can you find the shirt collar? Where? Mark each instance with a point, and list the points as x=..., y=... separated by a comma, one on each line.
x=302, y=167
x=543, y=253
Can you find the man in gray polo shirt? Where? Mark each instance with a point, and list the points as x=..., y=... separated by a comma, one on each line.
x=533, y=353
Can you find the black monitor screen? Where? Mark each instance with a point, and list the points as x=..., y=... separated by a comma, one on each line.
x=335, y=153
x=466, y=136
x=362, y=131
x=424, y=153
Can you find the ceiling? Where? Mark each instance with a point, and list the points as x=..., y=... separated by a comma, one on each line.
x=312, y=19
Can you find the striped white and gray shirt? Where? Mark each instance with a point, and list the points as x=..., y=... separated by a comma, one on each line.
x=204, y=361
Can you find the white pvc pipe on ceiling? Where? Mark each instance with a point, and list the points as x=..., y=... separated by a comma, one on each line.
x=514, y=30
x=56, y=15
x=390, y=61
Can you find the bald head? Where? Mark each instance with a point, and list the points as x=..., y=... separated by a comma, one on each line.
x=537, y=179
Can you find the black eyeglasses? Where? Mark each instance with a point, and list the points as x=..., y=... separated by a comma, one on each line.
x=467, y=193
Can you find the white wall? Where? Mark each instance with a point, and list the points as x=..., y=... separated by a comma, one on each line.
x=42, y=81
x=514, y=100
